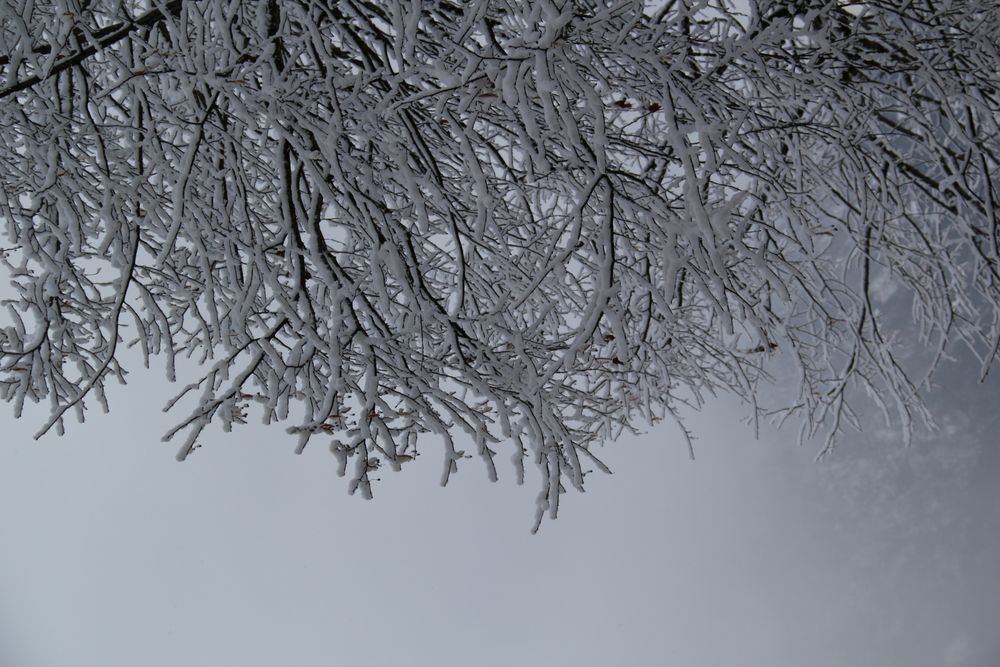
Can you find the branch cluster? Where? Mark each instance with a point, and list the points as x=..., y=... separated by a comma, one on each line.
x=531, y=222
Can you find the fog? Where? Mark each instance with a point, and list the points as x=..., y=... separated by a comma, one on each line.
x=754, y=554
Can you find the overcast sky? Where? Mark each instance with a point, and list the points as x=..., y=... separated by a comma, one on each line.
x=112, y=553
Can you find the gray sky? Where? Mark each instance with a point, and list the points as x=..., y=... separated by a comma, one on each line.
x=111, y=553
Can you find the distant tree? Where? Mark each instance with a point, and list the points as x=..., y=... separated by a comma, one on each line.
x=534, y=222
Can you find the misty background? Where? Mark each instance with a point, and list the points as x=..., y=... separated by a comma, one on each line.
x=753, y=555
x=112, y=553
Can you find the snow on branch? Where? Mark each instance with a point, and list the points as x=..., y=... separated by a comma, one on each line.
x=539, y=224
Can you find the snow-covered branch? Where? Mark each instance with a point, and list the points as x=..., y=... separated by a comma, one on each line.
x=537, y=223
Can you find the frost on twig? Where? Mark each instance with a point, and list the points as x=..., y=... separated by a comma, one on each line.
x=537, y=224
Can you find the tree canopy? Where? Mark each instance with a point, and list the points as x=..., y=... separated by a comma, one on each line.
x=538, y=223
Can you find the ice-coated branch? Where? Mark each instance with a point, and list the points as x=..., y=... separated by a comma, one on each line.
x=96, y=40
x=536, y=225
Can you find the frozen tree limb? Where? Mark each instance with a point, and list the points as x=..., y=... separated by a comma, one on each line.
x=536, y=223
